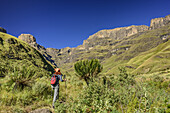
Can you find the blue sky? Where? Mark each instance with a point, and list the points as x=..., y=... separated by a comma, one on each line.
x=66, y=23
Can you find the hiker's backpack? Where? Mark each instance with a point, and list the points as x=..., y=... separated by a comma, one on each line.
x=54, y=79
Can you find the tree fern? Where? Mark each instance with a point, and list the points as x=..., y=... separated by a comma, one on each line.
x=87, y=70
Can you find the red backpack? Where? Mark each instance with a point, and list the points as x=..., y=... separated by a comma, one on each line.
x=54, y=79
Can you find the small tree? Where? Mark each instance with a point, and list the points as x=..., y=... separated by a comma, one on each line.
x=88, y=69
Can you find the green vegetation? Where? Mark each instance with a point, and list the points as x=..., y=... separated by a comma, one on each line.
x=134, y=76
x=137, y=53
x=88, y=70
x=154, y=60
x=114, y=93
x=143, y=53
x=120, y=93
x=23, y=87
x=24, y=75
x=25, y=81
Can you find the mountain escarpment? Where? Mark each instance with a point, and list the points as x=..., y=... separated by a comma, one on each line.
x=118, y=45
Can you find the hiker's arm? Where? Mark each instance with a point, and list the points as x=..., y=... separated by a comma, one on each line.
x=61, y=78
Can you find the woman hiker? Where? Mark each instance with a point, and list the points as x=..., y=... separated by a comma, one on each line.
x=55, y=83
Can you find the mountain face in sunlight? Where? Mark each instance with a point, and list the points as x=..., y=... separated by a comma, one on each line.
x=113, y=47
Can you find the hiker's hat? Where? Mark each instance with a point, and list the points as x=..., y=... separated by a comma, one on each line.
x=57, y=70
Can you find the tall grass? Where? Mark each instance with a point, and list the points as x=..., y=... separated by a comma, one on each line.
x=121, y=93
x=21, y=91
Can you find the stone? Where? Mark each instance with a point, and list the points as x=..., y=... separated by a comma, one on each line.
x=41, y=111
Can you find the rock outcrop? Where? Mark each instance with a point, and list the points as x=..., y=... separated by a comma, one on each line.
x=100, y=45
x=31, y=40
x=3, y=30
x=159, y=22
x=15, y=51
x=119, y=33
x=114, y=34
x=28, y=38
x=57, y=54
x=89, y=49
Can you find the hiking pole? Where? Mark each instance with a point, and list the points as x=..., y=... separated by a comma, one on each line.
x=51, y=92
x=65, y=86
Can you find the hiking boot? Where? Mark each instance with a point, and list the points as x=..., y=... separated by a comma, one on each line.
x=53, y=106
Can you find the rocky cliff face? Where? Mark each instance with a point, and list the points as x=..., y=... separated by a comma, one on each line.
x=113, y=34
x=3, y=30
x=119, y=33
x=159, y=22
x=30, y=39
x=100, y=45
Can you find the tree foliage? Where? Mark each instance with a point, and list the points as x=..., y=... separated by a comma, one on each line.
x=88, y=69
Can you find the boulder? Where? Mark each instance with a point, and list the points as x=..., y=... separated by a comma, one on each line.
x=41, y=111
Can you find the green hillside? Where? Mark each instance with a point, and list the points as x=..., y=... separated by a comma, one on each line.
x=130, y=52
x=15, y=52
x=154, y=60
x=140, y=49
x=24, y=75
x=135, y=76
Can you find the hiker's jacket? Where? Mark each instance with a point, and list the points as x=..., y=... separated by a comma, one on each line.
x=58, y=77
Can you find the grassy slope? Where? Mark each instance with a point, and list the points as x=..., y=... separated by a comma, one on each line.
x=136, y=44
x=141, y=48
x=16, y=51
x=140, y=55
x=110, y=64
x=14, y=54
x=156, y=59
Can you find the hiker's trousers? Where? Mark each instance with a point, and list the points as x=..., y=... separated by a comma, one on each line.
x=56, y=93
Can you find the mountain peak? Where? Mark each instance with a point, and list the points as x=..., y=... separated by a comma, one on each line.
x=30, y=39
x=27, y=38
x=159, y=22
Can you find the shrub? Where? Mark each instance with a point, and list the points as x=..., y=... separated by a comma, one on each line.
x=88, y=70
x=42, y=87
x=20, y=78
